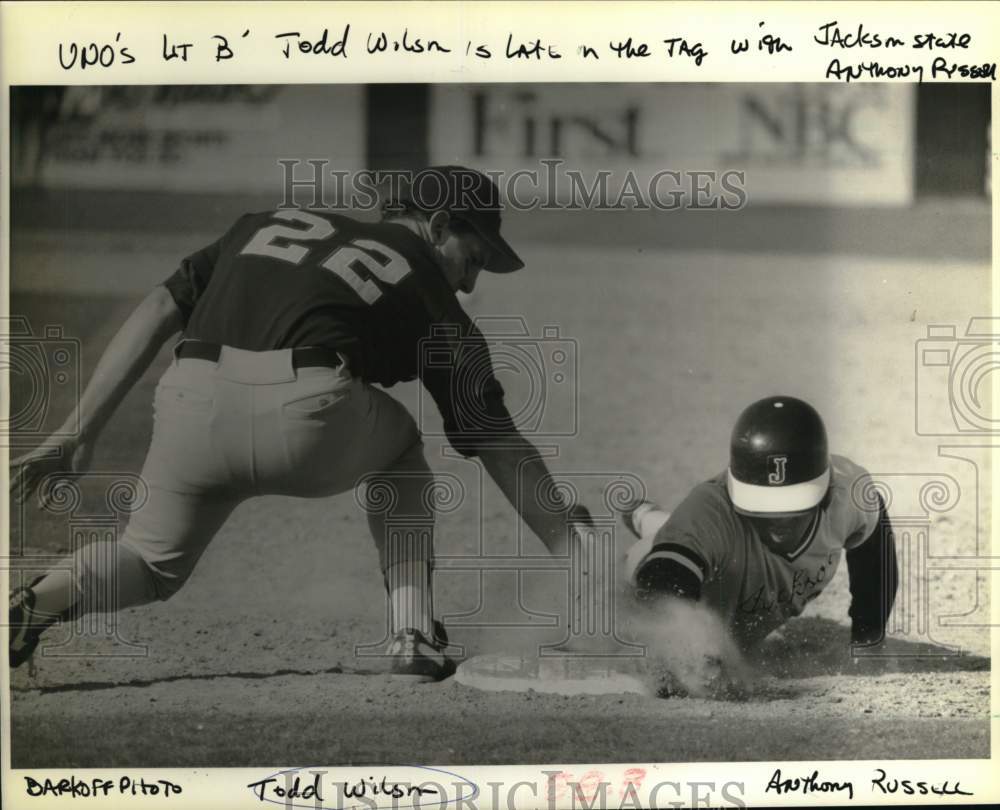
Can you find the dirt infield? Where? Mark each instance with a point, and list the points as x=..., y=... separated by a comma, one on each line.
x=351, y=720
x=253, y=662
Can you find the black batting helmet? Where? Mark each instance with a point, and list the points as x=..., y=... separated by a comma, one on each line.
x=778, y=458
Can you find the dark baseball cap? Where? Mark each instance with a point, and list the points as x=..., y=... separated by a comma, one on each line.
x=470, y=197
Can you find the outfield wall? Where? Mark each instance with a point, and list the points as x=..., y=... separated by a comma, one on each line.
x=816, y=144
x=895, y=170
x=185, y=139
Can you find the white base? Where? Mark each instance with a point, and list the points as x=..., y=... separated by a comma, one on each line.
x=561, y=675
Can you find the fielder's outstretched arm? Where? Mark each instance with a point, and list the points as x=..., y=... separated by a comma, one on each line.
x=522, y=474
x=123, y=362
x=478, y=424
x=874, y=577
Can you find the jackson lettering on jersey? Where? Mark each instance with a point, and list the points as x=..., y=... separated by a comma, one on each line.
x=373, y=291
x=752, y=585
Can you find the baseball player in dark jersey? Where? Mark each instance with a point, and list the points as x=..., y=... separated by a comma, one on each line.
x=759, y=541
x=288, y=320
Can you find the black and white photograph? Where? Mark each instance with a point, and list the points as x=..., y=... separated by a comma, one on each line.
x=445, y=424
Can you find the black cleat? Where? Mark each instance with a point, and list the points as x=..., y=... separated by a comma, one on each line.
x=415, y=658
x=440, y=634
x=23, y=636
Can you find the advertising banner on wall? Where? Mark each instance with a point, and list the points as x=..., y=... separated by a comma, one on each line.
x=187, y=138
x=821, y=144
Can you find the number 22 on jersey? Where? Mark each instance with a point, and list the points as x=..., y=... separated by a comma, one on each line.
x=347, y=261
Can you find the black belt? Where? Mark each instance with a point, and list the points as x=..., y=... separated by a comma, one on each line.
x=302, y=357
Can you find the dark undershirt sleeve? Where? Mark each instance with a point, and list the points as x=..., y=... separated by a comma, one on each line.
x=874, y=578
x=658, y=577
x=189, y=281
